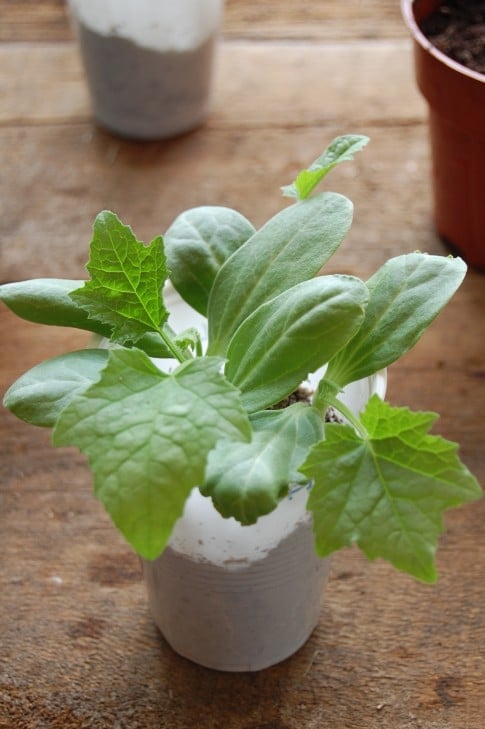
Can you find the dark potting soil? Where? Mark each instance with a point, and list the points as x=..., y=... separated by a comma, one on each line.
x=145, y=93
x=302, y=394
x=457, y=29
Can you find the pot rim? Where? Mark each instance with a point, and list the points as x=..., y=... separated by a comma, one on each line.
x=407, y=10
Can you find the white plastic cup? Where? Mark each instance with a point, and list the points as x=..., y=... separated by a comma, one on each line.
x=149, y=63
x=241, y=598
x=236, y=598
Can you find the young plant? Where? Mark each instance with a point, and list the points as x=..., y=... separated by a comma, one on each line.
x=378, y=479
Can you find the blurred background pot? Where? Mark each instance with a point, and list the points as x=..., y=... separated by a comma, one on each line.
x=456, y=100
x=148, y=63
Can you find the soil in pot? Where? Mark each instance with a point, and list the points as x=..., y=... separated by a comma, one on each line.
x=457, y=29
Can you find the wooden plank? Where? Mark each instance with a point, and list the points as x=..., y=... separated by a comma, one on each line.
x=288, y=84
x=66, y=170
x=26, y=20
x=78, y=647
x=65, y=175
x=319, y=19
x=32, y=20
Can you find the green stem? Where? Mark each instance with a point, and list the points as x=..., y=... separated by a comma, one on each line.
x=326, y=395
x=351, y=417
x=181, y=354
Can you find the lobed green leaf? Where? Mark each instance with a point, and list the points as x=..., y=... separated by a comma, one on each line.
x=386, y=493
x=147, y=435
x=125, y=290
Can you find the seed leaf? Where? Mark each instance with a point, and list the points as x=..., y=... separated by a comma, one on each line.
x=197, y=244
x=295, y=333
x=41, y=393
x=265, y=266
x=406, y=294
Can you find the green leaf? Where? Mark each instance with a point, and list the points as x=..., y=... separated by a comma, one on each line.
x=406, y=294
x=147, y=436
x=41, y=393
x=125, y=291
x=197, y=244
x=190, y=339
x=290, y=248
x=342, y=149
x=295, y=333
x=247, y=480
x=386, y=493
x=48, y=301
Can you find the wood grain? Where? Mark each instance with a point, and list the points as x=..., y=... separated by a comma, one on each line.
x=31, y=20
x=78, y=647
x=66, y=169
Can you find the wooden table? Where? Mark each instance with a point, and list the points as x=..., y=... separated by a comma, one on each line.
x=77, y=645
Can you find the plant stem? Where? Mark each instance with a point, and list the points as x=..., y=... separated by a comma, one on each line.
x=350, y=416
x=167, y=334
x=326, y=395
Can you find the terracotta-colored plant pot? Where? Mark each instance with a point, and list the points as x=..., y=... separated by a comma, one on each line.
x=456, y=99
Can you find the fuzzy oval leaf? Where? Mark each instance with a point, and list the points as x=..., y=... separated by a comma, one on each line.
x=386, y=493
x=290, y=248
x=127, y=277
x=147, y=436
x=41, y=393
x=247, y=480
x=295, y=333
x=48, y=301
x=197, y=244
x=406, y=294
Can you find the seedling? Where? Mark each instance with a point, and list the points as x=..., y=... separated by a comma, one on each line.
x=377, y=479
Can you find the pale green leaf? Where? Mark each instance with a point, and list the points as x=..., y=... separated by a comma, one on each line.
x=290, y=248
x=48, y=301
x=294, y=334
x=190, y=339
x=342, y=149
x=197, y=244
x=40, y=394
x=406, y=294
x=125, y=290
x=147, y=436
x=386, y=493
x=247, y=480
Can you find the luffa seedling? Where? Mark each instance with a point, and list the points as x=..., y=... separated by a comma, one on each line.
x=378, y=480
